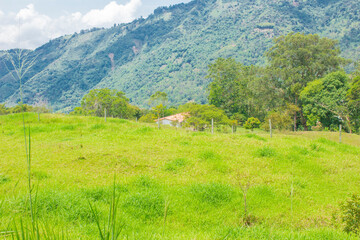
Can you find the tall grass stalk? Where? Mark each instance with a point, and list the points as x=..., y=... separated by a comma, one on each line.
x=22, y=63
x=166, y=209
x=111, y=229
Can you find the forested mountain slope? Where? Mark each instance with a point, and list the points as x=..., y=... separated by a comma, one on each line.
x=170, y=50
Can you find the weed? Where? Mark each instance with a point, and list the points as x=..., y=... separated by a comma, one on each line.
x=315, y=147
x=112, y=228
x=350, y=211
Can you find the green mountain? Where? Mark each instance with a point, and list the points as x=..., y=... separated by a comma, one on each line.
x=170, y=50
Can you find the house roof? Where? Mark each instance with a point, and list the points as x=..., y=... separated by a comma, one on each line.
x=180, y=117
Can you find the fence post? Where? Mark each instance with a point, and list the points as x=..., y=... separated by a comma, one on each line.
x=159, y=121
x=105, y=114
x=270, y=128
x=212, y=126
x=340, y=133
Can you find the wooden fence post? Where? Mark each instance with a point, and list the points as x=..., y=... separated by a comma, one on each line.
x=270, y=128
x=340, y=128
x=212, y=126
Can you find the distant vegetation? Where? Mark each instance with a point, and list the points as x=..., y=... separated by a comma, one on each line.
x=302, y=88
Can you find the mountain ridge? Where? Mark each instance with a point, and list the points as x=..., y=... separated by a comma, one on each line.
x=170, y=50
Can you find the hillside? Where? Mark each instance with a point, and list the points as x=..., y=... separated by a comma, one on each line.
x=170, y=50
x=296, y=180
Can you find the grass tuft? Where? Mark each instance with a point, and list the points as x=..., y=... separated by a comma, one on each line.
x=146, y=205
x=4, y=179
x=214, y=194
x=265, y=152
x=98, y=126
x=209, y=156
x=175, y=165
x=254, y=136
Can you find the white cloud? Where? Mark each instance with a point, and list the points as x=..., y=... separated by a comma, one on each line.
x=111, y=13
x=36, y=29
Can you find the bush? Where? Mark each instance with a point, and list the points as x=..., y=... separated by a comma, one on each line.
x=350, y=214
x=252, y=123
x=148, y=118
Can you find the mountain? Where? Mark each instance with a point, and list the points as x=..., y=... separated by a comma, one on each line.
x=171, y=49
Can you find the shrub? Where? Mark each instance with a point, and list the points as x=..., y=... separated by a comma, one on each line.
x=148, y=118
x=350, y=214
x=252, y=123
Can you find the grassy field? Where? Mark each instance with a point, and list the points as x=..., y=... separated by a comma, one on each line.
x=177, y=184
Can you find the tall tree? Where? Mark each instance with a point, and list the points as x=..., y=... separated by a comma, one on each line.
x=325, y=100
x=353, y=98
x=227, y=87
x=158, y=102
x=300, y=59
x=239, y=89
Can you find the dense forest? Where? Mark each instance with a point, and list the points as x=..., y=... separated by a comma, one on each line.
x=171, y=49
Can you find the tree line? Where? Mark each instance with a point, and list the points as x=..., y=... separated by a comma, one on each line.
x=303, y=86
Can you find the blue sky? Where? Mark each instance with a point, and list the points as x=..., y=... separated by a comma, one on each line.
x=42, y=20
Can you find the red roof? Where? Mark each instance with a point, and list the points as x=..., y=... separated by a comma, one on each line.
x=180, y=117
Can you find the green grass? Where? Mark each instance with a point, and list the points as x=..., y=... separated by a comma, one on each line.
x=192, y=178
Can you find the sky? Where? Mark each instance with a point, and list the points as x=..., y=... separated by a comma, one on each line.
x=31, y=23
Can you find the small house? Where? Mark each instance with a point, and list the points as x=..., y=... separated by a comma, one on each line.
x=173, y=120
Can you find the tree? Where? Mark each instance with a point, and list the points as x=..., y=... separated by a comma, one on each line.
x=200, y=116
x=21, y=108
x=281, y=118
x=148, y=118
x=353, y=98
x=239, y=89
x=226, y=88
x=252, y=123
x=114, y=102
x=158, y=102
x=325, y=100
x=300, y=59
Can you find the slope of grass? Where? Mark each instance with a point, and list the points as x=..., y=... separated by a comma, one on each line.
x=296, y=180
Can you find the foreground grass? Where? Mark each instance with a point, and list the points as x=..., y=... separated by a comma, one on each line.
x=296, y=180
